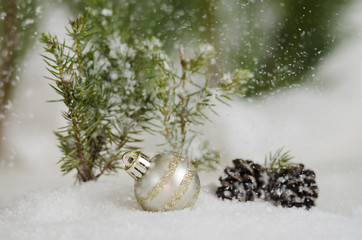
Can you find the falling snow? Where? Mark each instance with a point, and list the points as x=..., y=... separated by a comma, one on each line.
x=322, y=127
x=107, y=12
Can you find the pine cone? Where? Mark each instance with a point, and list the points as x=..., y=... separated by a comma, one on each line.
x=245, y=181
x=294, y=187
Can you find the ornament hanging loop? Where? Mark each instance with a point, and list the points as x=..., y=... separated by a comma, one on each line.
x=136, y=164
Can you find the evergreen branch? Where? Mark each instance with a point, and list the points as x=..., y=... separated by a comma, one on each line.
x=84, y=170
x=114, y=87
x=182, y=102
x=274, y=162
x=96, y=74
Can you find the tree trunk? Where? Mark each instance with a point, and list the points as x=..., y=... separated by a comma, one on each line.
x=7, y=61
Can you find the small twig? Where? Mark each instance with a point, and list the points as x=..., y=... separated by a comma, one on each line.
x=183, y=65
x=107, y=166
x=183, y=107
x=52, y=79
x=84, y=171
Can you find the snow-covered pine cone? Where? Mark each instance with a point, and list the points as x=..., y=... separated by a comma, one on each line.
x=294, y=187
x=245, y=181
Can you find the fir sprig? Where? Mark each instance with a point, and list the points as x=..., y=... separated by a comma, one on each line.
x=96, y=77
x=280, y=160
x=207, y=159
x=183, y=101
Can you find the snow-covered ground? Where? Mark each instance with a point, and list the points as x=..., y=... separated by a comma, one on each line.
x=108, y=210
x=322, y=128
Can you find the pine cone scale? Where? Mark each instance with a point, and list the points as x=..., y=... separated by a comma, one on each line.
x=294, y=187
x=246, y=181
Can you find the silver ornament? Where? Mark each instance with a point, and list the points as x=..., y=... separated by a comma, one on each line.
x=166, y=182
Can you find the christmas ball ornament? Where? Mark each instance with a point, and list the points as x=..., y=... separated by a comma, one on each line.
x=166, y=182
x=245, y=181
x=294, y=187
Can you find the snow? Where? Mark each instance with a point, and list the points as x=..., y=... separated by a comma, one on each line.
x=107, y=12
x=108, y=209
x=322, y=128
x=28, y=22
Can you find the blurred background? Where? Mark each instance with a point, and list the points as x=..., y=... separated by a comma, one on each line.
x=306, y=56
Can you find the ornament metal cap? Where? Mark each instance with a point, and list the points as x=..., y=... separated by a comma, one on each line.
x=136, y=164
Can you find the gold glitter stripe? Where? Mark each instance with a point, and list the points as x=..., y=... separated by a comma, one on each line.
x=196, y=195
x=163, y=180
x=181, y=189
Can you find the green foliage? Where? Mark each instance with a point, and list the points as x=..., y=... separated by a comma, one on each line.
x=283, y=41
x=207, y=158
x=278, y=161
x=287, y=40
x=116, y=86
x=98, y=77
x=183, y=101
x=18, y=21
